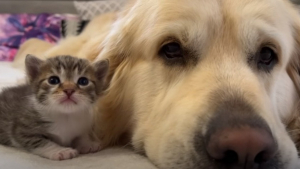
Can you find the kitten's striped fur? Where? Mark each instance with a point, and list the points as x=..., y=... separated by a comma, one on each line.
x=42, y=118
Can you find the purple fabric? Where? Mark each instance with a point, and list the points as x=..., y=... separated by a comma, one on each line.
x=17, y=28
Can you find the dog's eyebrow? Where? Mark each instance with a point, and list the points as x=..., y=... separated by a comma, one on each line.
x=253, y=36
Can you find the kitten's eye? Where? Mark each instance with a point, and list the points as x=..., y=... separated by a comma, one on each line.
x=83, y=81
x=267, y=58
x=53, y=80
x=172, y=51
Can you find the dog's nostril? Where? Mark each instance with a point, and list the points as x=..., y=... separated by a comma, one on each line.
x=230, y=157
x=262, y=157
x=241, y=146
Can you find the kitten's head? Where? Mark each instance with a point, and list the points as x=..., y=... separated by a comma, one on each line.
x=66, y=83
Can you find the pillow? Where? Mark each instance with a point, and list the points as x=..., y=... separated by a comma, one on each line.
x=72, y=27
x=17, y=28
x=89, y=9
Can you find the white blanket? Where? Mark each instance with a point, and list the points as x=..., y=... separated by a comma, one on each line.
x=9, y=75
x=11, y=158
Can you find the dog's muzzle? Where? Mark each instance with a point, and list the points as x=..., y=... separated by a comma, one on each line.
x=237, y=137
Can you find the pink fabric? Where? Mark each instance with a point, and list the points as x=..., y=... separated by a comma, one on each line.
x=17, y=28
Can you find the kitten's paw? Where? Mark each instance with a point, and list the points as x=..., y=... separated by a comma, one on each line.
x=90, y=147
x=64, y=154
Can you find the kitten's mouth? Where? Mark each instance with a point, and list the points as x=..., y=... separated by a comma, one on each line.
x=68, y=101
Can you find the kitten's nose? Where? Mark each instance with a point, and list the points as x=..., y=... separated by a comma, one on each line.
x=69, y=92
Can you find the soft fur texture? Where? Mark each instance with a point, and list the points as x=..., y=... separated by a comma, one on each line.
x=164, y=108
x=52, y=115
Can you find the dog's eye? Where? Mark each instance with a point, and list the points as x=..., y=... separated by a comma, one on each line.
x=267, y=58
x=54, y=80
x=172, y=51
x=267, y=55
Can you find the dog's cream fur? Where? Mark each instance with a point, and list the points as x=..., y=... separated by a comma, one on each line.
x=161, y=107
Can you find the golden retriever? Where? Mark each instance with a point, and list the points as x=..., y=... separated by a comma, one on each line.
x=199, y=84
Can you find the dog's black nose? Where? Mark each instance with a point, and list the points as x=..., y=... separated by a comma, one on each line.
x=239, y=138
x=242, y=147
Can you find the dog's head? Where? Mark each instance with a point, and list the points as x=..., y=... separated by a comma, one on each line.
x=205, y=82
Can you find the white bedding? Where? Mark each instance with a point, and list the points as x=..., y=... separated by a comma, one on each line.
x=107, y=159
x=8, y=75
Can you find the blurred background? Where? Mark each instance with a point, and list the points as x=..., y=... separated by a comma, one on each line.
x=48, y=20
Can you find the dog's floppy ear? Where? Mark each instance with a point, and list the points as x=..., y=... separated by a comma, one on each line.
x=293, y=122
x=117, y=48
x=118, y=43
x=293, y=71
x=293, y=68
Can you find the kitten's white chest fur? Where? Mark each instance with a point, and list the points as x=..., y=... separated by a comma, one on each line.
x=67, y=127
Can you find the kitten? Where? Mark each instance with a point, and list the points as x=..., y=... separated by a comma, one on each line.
x=51, y=116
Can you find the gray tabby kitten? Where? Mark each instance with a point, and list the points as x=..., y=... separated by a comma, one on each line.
x=51, y=116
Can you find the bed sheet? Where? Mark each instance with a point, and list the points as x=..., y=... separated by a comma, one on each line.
x=10, y=76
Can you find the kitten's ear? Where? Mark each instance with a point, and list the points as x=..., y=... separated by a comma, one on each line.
x=101, y=68
x=32, y=64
